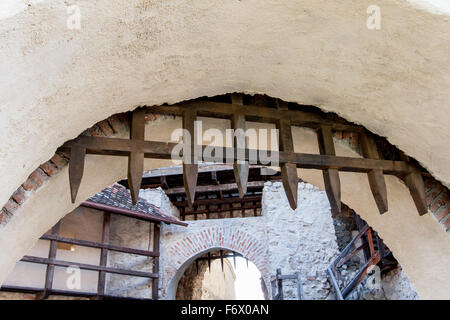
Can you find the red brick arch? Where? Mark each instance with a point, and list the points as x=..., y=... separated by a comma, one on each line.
x=194, y=244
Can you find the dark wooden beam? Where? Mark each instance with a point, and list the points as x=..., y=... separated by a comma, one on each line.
x=92, y=244
x=376, y=177
x=241, y=167
x=156, y=248
x=62, y=263
x=288, y=169
x=76, y=169
x=190, y=166
x=136, y=157
x=255, y=113
x=330, y=175
x=163, y=150
x=414, y=181
x=51, y=267
x=104, y=253
x=215, y=188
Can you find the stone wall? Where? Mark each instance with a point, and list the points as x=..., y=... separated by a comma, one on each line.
x=207, y=283
x=296, y=241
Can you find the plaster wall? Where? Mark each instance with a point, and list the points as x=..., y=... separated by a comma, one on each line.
x=420, y=244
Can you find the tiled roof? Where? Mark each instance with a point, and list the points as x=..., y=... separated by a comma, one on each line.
x=118, y=196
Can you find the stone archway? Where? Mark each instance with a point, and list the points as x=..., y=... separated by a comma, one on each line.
x=417, y=241
x=187, y=249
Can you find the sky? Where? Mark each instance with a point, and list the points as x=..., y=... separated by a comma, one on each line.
x=247, y=284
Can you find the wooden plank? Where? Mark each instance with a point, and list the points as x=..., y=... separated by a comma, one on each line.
x=241, y=167
x=76, y=169
x=156, y=248
x=414, y=181
x=136, y=157
x=288, y=170
x=104, y=253
x=62, y=263
x=330, y=175
x=376, y=178
x=190, y=166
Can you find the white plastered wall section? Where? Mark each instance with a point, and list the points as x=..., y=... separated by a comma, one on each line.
x=56, y=82
x=420, y=244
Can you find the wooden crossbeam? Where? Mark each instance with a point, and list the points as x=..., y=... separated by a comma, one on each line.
x=376, y=178
x=163, y=150
x=330, y=175
x=215, y=188
x=241, y=167
x=255, y=113
x=190, y=166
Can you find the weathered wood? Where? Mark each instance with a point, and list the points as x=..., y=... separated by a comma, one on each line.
x=68, y=293
x=330, y=175
x=76, y=169
x=163, y=150
x=92, y=244
x=288, y=170
x=104, y=253
x=255, y=113
x=62, y=263
x=190, y=166
x=376, y=178
x=49, y=274
x=241, y=167
x=156, y=248
x=215, y=188
x=414, y=181
x=136, y=157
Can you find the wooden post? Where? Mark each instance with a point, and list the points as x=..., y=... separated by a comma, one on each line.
x=241, y=167
x=136, y=158
x=50, y=267
x=190, y=166
x=288, y=170
x=104, y=254
x=156, y=249
x=300, y=292
x=330, y=176
x=376, y=177
x=280, y=285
